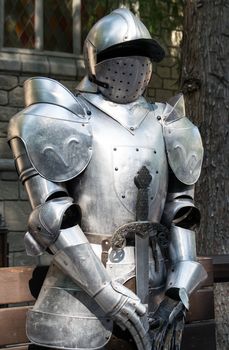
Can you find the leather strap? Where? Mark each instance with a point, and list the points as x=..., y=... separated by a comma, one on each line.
x=97, y=239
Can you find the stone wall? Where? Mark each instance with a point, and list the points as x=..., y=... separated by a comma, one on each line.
x=15, y=68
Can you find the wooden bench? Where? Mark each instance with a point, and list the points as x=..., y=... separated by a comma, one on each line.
x=199, y=331
x=14, y=292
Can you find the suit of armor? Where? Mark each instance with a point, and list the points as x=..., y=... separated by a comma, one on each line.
x=110, y=179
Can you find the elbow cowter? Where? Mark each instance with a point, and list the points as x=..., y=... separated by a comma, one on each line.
x=182, y=212
x=47, y=221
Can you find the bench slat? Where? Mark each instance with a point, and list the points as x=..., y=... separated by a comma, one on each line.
x=201, y=305
x=14, y=287
x=199, y=336
x=21, y=347
x=12, y=321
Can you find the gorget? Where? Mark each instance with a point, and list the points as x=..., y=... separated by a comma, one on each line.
x=129, y=115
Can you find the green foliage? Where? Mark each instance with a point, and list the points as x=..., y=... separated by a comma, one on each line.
x=160, y=14
x=156, y=14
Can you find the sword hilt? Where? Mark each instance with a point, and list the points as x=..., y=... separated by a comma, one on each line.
x=142, y=181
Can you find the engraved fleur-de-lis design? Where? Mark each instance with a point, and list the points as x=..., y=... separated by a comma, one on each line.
x=70, y=148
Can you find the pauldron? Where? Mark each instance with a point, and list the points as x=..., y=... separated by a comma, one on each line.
x=55, y=131
x=183, y=143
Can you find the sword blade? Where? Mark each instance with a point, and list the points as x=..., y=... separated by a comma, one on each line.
x=142, y=266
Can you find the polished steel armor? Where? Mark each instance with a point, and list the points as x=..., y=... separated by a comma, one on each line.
x=110, y=179
x=125, y=78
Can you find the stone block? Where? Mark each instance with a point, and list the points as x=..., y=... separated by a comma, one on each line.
x=22, y=79
x=151, y=92
x=34, y=63
x=16, y=97
x=6, y=113
x=5, y=150
x=62, y=66
x=16, y=241
x=8, y=82
x=11, y=259
x=22, y=259
x=2, y=206
x=168, y=61
x=175, y=72
x=3, y=129
x=163, y=95
x=170, y=84
x=16, y=215
x=3, y=97
x=9, y=175
x=163, y=72
x=156, y=82
x=10, y=61
x=8, y=190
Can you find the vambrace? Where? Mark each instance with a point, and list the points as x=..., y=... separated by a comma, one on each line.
x=75, y=256
x=181, y=216
x=54, y=225
x=185, y=273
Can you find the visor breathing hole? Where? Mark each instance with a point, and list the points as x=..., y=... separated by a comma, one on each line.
x=126, y=77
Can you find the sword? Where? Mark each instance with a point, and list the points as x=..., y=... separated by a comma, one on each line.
x=142, y=181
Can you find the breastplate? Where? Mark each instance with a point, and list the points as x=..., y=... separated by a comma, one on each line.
x=106, y=191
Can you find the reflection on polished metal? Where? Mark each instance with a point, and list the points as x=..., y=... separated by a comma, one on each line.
x=129, y=115
x=104, y=39
x=60, y=147
x=46, y=220
x=81, y=159
x=182, y=252
x=177, y=276
x=183, y=144
x=46, y=90
x=33, y=248
x=180, y=210
x=182, y=245
x=68, y=318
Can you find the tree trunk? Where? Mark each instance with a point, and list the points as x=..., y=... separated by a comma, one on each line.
x=205, y=83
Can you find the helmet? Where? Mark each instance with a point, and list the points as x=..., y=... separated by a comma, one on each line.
x=118, y=52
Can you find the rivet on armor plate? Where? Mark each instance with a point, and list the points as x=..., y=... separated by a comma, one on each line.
x=115, y=149
x=116, y=169
x=132, y=128
x=154, y=152
x=88, y=112
x=158, y=117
